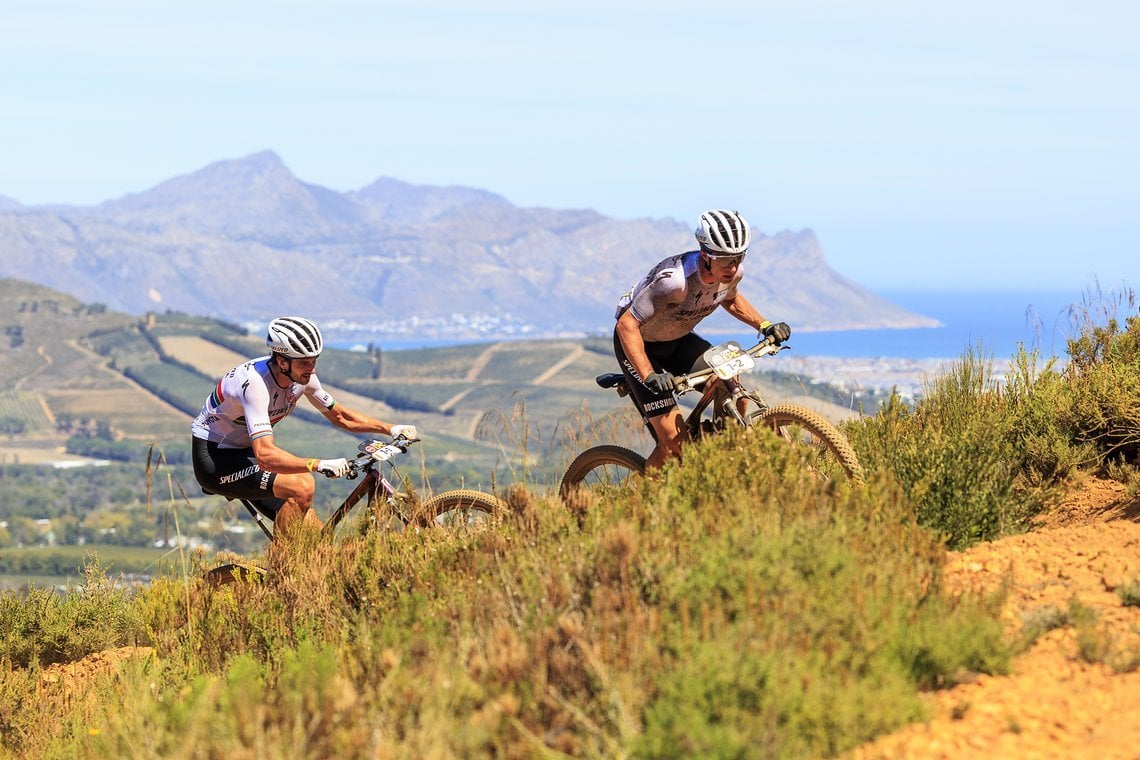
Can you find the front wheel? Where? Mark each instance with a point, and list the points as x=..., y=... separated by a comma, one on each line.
x=600, y=467
x=830, y=450
x=461, y=507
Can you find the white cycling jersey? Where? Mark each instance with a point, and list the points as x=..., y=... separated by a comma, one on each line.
x=670, y=300
x=247, y=403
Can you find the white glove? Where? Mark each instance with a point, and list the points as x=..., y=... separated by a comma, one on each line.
x=408, y=431
x=332, y=468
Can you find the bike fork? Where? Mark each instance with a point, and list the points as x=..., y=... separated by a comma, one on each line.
x=730, y=403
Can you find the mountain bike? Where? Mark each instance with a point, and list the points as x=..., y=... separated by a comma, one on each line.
x=388, y=507
x=724, y=401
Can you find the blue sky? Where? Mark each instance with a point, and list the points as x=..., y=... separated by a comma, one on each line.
x=976, y=145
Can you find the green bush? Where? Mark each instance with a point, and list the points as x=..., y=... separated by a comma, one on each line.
x=802, y=623
x=954, y=454
x=1129, y=594
x=1037, y=399
x=981, y=457
x=1104, y=377
x=730, y=603
x=44, y=627
x=1104, y=409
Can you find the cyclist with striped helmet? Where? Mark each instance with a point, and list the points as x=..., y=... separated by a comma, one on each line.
x=235, y=452
x=654, y=338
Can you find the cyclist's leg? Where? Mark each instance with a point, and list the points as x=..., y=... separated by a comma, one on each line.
x=659, y=410
x=297, y=490
x=234, y=473
x=669, y=429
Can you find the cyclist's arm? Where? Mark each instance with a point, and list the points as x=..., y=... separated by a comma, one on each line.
x=742, y=309
x=353, y=421
x=629, y=333
x=665, y=292
x=272, y=458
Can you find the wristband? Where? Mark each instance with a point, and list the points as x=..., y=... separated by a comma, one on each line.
x=311, y=465
x=765, y=325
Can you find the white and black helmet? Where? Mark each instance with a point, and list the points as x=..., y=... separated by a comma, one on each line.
x=723, y=233
x=295, y=337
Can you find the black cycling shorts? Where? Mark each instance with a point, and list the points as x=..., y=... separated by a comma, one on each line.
x=676, y=357
x=235, y=474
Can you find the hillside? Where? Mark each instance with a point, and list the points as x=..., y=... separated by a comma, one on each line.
x=1053, y=704
x=75, y=366
x=977, y=594
x=239, y=238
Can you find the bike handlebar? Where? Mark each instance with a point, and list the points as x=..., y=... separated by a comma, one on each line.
x=692, y=380
x=377, y=451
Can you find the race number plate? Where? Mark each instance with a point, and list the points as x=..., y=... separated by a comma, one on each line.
x=380, y=451
x=728, y=360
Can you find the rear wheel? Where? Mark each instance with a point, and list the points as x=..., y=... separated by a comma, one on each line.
x=235, y=572
x=600, y=467
x=460, y=508
x=829, y=449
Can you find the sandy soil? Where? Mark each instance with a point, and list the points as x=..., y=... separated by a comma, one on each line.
x=1054, y=704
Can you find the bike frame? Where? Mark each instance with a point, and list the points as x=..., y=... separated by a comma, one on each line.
x=731, y=390
x=373, y=483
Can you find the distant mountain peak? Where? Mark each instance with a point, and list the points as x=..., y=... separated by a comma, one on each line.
x=395, y=200
x=255, y=174
x=256, y=195
x=256, y=166
x=239, y=237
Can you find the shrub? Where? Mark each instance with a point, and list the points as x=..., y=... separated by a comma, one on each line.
x=1129, y=594
x=46, y=627
x=1104, y=378
x=954, y=455
x=794, y=594
x=1046, y=446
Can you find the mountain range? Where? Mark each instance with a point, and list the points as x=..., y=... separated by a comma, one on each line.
x=245, y=240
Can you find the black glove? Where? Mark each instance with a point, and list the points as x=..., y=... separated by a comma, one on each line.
x=660, y=382
x=779, y=331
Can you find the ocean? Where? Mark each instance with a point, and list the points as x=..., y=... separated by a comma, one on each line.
x=995, y=321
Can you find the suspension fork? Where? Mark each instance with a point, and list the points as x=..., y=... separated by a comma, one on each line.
x=727, y=398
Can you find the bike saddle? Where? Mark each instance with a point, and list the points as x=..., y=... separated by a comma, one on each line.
x=610, y=379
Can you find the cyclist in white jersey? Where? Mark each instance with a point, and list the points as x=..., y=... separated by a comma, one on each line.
x=235, y=454
x=654, y=338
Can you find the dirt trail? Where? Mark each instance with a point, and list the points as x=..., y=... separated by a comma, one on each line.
x=48, y=361
x=481, y=362
x=102, y=364
x=1054, y=704
x=560, y=365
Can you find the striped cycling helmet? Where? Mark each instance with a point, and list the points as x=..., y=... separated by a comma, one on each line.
x=295, y=337
x=723, y=233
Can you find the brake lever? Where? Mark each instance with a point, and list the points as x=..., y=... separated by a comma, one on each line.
x=403, y=442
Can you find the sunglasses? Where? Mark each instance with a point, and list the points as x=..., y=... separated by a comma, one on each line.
x=726, y=259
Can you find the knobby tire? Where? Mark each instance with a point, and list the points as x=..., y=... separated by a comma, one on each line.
x=598, y=462
x=234, y=572
x=460, y=501
x=783, y=418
